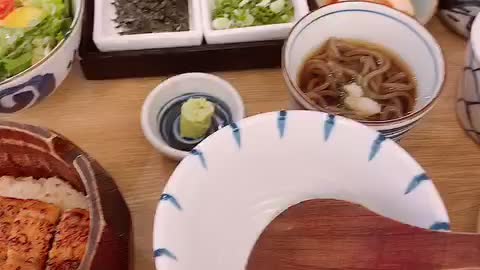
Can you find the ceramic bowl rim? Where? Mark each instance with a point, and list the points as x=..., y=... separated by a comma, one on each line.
x=148, y=106
x=73, y=26
x=475, y=38
x=429, y=15
x=298, y=96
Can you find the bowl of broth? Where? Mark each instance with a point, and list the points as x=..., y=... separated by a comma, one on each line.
x=364, y=61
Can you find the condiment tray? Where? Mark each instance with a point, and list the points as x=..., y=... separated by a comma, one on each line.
x=98, y=65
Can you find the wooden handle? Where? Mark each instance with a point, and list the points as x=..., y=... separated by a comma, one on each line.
x=334, y=235
x=478, y=223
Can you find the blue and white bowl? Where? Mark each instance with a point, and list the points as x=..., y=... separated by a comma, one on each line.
x=222, y=196
x=376, y=24
x=424, y=9
x=33, y=85
x=468, y=104
x=459, y=14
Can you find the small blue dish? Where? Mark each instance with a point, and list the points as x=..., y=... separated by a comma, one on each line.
x=161, y=110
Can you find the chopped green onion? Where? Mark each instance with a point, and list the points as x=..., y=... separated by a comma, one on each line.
x=244, y=13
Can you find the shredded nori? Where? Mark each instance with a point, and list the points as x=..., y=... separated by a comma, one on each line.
x=151, y=16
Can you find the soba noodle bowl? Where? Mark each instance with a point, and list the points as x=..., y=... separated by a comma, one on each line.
x=358, y=80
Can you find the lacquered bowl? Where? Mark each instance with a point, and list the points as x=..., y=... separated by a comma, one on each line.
x=377, y=24
x=34, y=84
x=222, y=196
x=41, y=153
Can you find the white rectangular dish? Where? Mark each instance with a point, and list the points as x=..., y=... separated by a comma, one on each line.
x=107, y=38
x=246, y=34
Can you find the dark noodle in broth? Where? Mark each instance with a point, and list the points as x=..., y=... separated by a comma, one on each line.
x=358, y=80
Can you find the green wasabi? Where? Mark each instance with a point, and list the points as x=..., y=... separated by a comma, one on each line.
x=196, y=118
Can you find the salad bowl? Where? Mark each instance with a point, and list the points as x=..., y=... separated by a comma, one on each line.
x=224, y=194
x=35, y=83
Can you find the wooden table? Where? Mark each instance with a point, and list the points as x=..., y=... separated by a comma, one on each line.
x=103, y=117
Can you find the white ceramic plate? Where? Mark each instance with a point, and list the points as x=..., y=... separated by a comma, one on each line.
x=220, y=198
x=107, y=38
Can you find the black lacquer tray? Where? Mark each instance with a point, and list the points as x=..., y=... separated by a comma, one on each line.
x=99, y=65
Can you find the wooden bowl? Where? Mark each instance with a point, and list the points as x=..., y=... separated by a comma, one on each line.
x=33, y=151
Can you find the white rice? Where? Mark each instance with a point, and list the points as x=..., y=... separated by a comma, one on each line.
x=52, y=190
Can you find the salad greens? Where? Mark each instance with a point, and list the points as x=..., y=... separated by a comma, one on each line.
x=244, y=13
x=30, y=32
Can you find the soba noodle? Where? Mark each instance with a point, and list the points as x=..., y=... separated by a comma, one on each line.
x=385, y=87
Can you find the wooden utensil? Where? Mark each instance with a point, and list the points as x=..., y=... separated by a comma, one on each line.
x=478, y=223
x=329, y=234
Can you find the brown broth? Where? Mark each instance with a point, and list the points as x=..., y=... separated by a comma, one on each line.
x=343, y=63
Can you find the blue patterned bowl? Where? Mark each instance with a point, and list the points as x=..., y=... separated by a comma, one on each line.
x=459, y=14
x=358, y=20
x=468, y=104
x=424, y=9
x=39, y=81
x=222, y=196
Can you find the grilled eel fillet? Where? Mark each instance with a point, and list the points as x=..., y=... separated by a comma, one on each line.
x=30, y=236
x=70, y=241
x=9, y=209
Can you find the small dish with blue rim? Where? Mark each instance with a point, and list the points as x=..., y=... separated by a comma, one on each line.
x=183, y=110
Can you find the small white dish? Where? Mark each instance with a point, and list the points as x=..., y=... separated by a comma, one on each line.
x=245, y=34
x=107, y=38
x=179, y=86
x=424, y=9
x=358, y=20
x=220, y=199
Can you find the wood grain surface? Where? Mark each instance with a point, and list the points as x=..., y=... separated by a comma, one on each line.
x=102, y=117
